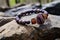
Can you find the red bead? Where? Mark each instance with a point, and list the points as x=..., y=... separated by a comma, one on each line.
x=33, y=21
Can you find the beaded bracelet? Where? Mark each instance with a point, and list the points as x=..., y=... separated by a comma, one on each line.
x=42, y=15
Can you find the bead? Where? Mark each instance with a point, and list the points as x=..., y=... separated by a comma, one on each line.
x=23, y=23
x=45, y=16
x=21, y=14
x=40, y=19
x=41, y=11
x=27, y=22
x=28, y=13
x=31, y=11
x=33, y=21
x=24, y=14
x=37, y=11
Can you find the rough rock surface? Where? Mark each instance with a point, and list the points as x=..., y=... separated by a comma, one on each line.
x=13, y=31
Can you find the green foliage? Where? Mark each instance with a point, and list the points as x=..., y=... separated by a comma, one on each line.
x=12, y=3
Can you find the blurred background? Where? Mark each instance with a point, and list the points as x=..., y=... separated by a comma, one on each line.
x=12, y=3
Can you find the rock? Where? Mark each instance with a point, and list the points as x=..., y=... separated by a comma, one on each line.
x=4, y=20
x=54, y=8
x=2, y=13
x=13, y=31
x=12, y=28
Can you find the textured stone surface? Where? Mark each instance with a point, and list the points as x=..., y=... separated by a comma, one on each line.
x=13, y=31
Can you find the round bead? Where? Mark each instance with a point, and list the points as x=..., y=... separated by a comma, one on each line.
x=40, y=19
x=33, y=21
x=23, y=23
x=27, y=22
x=45, y=16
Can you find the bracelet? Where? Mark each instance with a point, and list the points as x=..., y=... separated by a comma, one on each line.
x=42, y=15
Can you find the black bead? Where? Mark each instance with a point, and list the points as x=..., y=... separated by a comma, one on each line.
x=27, y=22
x=42, y=11
x=22, y=23
x=24, y=14
x=19, y=16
